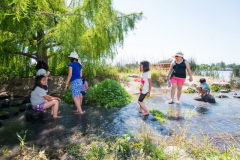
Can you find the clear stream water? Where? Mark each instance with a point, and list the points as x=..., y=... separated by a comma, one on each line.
x=54, y=133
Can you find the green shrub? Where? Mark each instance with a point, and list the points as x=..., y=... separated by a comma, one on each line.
x=189, y=90
x=67, y=96
x=125, y=78
x=216, y=88
x=108, y=93
x=158, y=115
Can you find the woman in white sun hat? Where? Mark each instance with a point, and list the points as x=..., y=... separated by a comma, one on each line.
x=75, y=75
x=177, y=75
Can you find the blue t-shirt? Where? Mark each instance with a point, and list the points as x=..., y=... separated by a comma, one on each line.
x=206, y=86
x=76, y=69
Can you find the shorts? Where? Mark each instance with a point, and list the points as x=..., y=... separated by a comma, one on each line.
x=83, y=93
x=202, y=90
x=142, y=97
x=76, y=87
x=38, y=107
x=177, y=80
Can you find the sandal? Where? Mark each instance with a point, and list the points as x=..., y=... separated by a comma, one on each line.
x=170, y=102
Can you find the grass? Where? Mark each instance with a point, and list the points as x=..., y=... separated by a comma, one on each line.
x=158, y=115
x=189, y=90
x=125, y=78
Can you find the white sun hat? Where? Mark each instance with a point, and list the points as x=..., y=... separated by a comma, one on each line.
x=73, y=55
x=180, y=54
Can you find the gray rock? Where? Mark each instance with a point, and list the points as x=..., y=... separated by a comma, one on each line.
x=222, y=96
x=26, y=100
x=25, y=107
x=5, y=104
x=210, y=99
x=32, y=115
x=223, y=91
x=236, y=96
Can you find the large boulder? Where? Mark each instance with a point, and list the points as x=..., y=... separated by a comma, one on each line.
x=5, y=104
x=32, y=115
x=26, y=100
x=25, y=107
x=210, y=99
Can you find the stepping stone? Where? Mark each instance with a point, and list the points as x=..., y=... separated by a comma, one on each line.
x=32, y=115
x=5, y=104
x=210, y=99
x=223, y=91
x=25, y=107
x=236, y=97
x=222, y=96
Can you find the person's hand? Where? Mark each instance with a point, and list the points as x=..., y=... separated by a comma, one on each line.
x=48, y=73
x=65, y=88
x=167, y=78
x=148, y=94
x=136, y=80
x=50, y=78
x=58, y=99
x=190, y=79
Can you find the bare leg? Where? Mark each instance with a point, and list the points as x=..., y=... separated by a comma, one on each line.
x=204, y=92
x=81, y=99
x=199, y=90
x=78, y=104
x=179, y=92
x=54, y=104
x=173, y=88
x=142, y=106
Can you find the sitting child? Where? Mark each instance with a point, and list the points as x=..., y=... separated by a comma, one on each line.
x=40, y=100
x=203, y=88
x=84, y=88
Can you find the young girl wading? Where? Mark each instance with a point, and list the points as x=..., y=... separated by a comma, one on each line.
x=40, y=100
x=75, y=75
x=145, y=86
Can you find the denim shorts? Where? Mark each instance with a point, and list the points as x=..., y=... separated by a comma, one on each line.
x=76, y=87
x=38, y=107
x=83, y=93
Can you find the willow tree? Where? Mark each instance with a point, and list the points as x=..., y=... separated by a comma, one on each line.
x=50, y=29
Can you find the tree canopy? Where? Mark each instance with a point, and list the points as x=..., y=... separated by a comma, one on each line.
x=50, y=29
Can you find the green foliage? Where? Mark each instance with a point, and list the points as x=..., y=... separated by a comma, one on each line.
x=108, y=93
x=158, y=76
x=193, y=64
x=189, y=90
x=125, y=78
x=158, y=115
x=236, y=70
x=22, y=143
x=217, y=88
x=67, y=96
x=6, y=151
x=49, y=30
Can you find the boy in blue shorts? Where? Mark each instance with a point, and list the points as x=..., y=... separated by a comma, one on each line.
x=203, y=88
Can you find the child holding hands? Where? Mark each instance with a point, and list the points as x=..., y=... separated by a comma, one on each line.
x=145, y=86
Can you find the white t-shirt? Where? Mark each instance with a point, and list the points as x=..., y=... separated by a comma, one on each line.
x=37, y=96
x=144, y=87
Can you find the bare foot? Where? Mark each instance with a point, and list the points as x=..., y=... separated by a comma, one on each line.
x=145, y=114
x=140, y=111
x=178, y=102
x=52, y=113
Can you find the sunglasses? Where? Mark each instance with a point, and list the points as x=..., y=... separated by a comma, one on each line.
x=176, y=56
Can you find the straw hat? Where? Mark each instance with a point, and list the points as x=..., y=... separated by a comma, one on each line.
x=73, y=55
x=180, y=54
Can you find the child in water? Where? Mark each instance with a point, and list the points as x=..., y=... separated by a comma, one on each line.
x=42, y=69
x=203, y=88
x=84, y=88
x=145, y=86
x=40, y=100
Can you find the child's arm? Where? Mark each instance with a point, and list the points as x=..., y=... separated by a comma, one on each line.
x=150, y=87
x=137, y=80
x=209, y=92
x=69, y=77
x=50, y=98
x=86, y=84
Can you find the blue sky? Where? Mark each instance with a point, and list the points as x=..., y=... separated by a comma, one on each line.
x=207, y=30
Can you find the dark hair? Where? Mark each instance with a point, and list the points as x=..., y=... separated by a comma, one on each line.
x=202, y=80
x=41, y=65
x=145, y=65
x=83, y=79
x=72, y=59
x=38, y=82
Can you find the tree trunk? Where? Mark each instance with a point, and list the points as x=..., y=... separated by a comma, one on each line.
x=43, y=56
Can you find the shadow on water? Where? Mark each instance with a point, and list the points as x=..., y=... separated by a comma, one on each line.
x=54, y=133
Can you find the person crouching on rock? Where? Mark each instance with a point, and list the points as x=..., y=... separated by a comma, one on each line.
x=40, y=100
x=145, y=86
x=203, y=88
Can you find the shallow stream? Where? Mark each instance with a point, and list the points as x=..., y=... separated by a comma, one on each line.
x=224, y=116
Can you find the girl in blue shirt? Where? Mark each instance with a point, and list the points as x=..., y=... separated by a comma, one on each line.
x=75, y=75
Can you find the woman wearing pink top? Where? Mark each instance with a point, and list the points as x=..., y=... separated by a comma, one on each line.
x=178, y=75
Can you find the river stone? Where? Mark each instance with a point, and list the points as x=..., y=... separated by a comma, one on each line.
x=4, y=116
x=210, y=99
x=5, y=104
x=25, y=107
x=236, y=96
x=176, y=151
x=26, y=100
x=222, y=96
x=32, y=115
x=223, y=91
